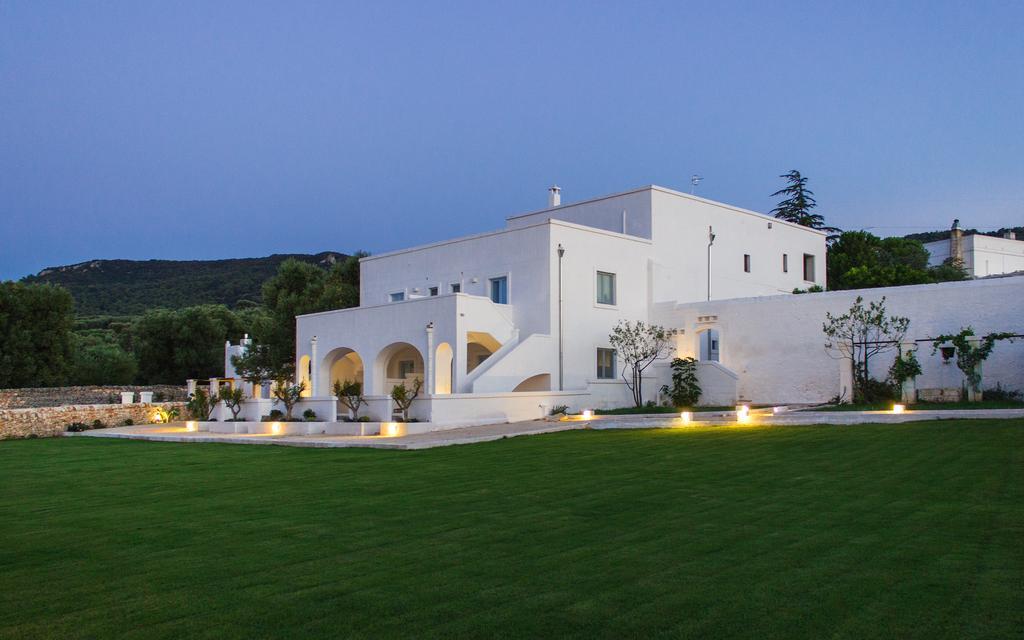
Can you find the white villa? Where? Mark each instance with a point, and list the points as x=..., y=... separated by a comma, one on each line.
x=504, y=325
x=981, y=255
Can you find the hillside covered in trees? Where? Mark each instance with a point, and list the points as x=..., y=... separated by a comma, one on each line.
x=932, y=236
x=131, y=287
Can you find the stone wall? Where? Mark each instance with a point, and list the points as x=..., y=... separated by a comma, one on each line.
x=62, y=396
x=45, y=422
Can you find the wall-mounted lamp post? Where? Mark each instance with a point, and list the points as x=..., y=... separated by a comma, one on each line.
x=561, y=354
x=711, y=241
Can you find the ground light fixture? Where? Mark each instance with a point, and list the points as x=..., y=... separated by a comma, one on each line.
x=686, y=417
x=157, y=418
x=390, y=429
x=275, y=428
x=898, y=408
x=190, y=426
x=587, y=414
x=742, y=413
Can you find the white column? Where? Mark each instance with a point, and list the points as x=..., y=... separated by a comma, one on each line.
x=908, y=393
x=845, y=380
x=214, y=387
x=428, y=383
x=190, y=387
x=313, y=368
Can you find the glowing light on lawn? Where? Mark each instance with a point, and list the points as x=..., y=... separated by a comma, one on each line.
x=742, y=413
x=391, y=429
x=898, y=408
x=275, y=428
x=157, y=418
x=588, y=414
x=190, y=426
x=686, y=416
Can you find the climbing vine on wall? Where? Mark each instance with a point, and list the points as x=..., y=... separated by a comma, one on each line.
x=970, y=354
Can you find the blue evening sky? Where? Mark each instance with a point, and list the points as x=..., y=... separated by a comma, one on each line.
x=209, y=129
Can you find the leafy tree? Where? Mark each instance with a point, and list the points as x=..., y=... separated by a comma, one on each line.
x=35, y=335
x=685, y=390
x=404, y=396
x=173, y=346
x=638, y=345
x=233, y=397
x=288, y=394
x=258, y=365
x=860, y=334
x=350, y=394
x=201, y=404
x=99, y=361
x=799, y=203
x=861, y=260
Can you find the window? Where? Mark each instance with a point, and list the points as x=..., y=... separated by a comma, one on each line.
x=398, y=297
x=746, y=262
x=606, y=364
x=499, y=290
x=406, y=368
x=785, y=263
x=432, y=291
x=808, y=267
x=456, y=287
x=605, y=288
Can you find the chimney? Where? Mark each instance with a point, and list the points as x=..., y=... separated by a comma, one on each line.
x=1010, y=235
x=956, y=242
x=554, y=196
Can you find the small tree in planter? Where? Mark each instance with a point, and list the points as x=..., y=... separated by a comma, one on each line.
x=350, y=394
x=638, y=345
x=201, y=404
x=905, y=367
x=970, y=354
x=685, y=390
x=233, y=399
x=404, y=396
x=288, y=394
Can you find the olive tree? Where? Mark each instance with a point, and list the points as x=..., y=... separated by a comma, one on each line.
x=860, y=334
x=637, y=345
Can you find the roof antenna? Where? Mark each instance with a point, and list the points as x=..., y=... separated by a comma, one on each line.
x=694, y=181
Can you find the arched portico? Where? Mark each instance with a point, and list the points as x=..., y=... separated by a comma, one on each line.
x=479, y=346
x=397, y=363
x=340, y=365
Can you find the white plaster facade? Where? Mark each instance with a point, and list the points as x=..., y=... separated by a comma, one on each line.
x=479, y=316
x=982, y=255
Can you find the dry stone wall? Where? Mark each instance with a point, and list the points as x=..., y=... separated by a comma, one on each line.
x=45, y=422
x=62, y=396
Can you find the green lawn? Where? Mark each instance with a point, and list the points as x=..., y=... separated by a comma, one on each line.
x=926, y=406
x=873, y=531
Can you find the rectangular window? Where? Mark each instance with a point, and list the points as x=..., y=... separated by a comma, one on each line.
x=785, y=263
x=406, y=368
x=808, y=267
x=605, y=288
x=456, y=287
x=499, y=290
x=746, y=262
x=606, y=364
x=398, y=297
x=433, y=291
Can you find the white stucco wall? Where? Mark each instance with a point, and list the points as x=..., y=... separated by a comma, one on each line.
x=775, y=345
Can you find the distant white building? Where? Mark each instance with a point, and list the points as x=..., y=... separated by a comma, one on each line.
x=980, y=255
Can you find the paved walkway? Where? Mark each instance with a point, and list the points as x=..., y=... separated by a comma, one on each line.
x=467, y=435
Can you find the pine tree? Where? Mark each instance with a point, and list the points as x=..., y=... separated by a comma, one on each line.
x=799, y=203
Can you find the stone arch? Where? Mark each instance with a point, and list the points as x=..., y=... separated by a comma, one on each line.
x=479, y=346
x=396, y=363
x=539, y=382
x=341, y=365
x=443, y=369
x=305, y=376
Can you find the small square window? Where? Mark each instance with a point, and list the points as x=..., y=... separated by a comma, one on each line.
x=808, y=267
x=746, y=262
x=605, y=288
x=785, y=263
x=398, y=296
x=606, y=364
x=456, y=287
x=433, y=291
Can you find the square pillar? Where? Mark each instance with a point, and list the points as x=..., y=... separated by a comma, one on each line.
x=845, y=380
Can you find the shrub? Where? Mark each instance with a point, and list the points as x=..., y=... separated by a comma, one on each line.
x=309, y=415
x=98, y=424
x=128, y=422
x=77, y=427
x=871, y=391
x=363, y=419
x=685, y=390
x=559, y=409
x=1003, y=395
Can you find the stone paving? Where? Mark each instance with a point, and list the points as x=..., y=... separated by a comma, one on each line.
x=467, y=435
